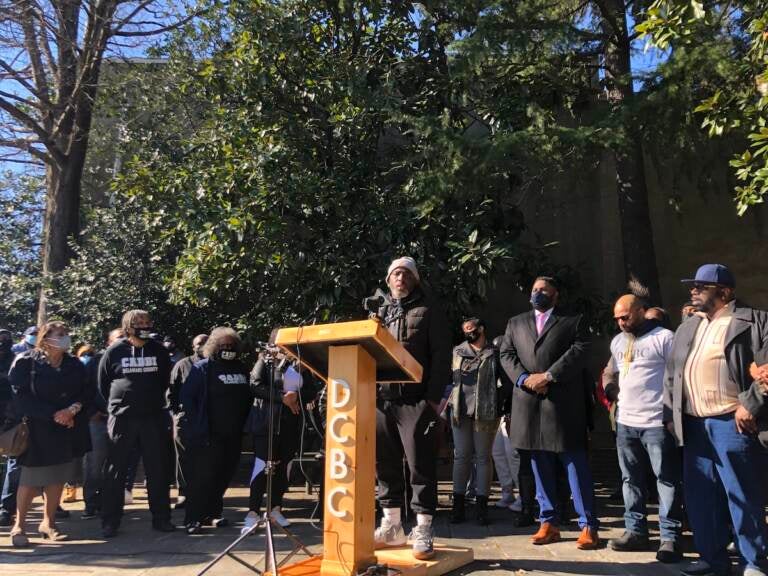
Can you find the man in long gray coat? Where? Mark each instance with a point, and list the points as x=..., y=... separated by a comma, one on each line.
x=544, y=353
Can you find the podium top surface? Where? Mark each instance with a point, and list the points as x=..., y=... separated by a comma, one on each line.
x=310, y=344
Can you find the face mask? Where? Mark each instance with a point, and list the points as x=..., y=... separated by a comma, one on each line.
x=227, y=355
x=472, y=337
x=85, y=359
x=541, y=300
x=142, y=333
x=61, y=342
x=31, y=339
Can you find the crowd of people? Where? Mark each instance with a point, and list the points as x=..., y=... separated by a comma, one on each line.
x=688, y=409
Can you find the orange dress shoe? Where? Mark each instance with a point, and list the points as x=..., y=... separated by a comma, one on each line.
x=588, y=539
x=547, y=534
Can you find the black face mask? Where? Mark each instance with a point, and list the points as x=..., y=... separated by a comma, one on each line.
x=541, y=300
x=142, y=333
x=472, y=336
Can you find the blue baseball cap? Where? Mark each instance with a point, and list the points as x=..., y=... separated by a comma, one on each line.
x=713, y=274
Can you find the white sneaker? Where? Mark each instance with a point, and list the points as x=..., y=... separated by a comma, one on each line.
x=389, y=534
x=278, y=517
x=516, y=506
x=423, y=538
x=128, y=497
x=250, y=520
x=506, y=500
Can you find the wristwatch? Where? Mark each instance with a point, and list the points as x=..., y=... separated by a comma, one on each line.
x=548, y=376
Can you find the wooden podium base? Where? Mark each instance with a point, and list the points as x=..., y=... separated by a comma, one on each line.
x=447, y=558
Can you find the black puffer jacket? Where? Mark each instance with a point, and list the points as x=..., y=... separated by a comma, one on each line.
x=421, y=326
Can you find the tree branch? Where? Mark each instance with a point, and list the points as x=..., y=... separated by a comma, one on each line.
x=19, y=99
x=16, y=76
x=27, y=145
x=30, y=44
x=160, y=30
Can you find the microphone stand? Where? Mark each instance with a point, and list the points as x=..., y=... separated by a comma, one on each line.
x=270, y=559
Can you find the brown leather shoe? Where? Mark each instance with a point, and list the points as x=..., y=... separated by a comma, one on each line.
x=547, y=534
x=588, y=539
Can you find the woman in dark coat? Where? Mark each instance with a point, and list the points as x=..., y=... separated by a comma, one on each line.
x=51, y=391
x=286, y=408
x=215, y=400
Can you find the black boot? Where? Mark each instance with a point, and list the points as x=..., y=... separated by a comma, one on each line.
x=526, y=484
x=481, y=506
x=457, y=513
x=524, y=518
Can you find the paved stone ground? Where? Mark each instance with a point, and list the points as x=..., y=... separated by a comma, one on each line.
x=138, y=551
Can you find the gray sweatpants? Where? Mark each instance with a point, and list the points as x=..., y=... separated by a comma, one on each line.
x=471, y=446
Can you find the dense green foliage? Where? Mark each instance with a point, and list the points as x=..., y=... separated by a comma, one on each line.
x=268, y=164
x=21, y=205
x=732, y=89
x=332, y=141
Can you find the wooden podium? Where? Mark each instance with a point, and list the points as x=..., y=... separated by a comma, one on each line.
x=351, y=357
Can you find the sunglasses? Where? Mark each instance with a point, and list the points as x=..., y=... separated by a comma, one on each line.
x=699, y=287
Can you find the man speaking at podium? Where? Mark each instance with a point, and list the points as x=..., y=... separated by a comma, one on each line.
x=406, y=414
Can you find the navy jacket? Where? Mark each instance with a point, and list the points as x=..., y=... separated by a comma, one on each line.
x=194, y=422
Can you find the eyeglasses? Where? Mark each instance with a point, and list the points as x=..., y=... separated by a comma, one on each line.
x=698, y=287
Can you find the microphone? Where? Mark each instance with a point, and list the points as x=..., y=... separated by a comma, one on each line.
x=372, y=304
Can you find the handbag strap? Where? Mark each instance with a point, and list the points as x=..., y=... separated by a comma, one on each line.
x=32, y=375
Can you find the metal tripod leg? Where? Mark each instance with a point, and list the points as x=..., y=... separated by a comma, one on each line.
x=228, y=552
x=270, y=557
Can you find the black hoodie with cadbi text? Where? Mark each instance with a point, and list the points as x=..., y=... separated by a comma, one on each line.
x=135, y=380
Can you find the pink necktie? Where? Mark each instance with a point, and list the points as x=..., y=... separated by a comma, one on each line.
x=540, y=321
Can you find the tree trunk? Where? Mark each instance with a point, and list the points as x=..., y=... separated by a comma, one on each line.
x=634, y=212
x=61, y=222
x=64, y=184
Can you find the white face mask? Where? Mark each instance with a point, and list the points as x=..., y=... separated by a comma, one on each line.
x=60, y=342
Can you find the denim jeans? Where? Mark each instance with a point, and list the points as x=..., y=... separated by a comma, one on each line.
x=469, y=443
x=93, y=464
x=505, y=459
x=10, y=485
x=721, y=471
x=637, y=449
